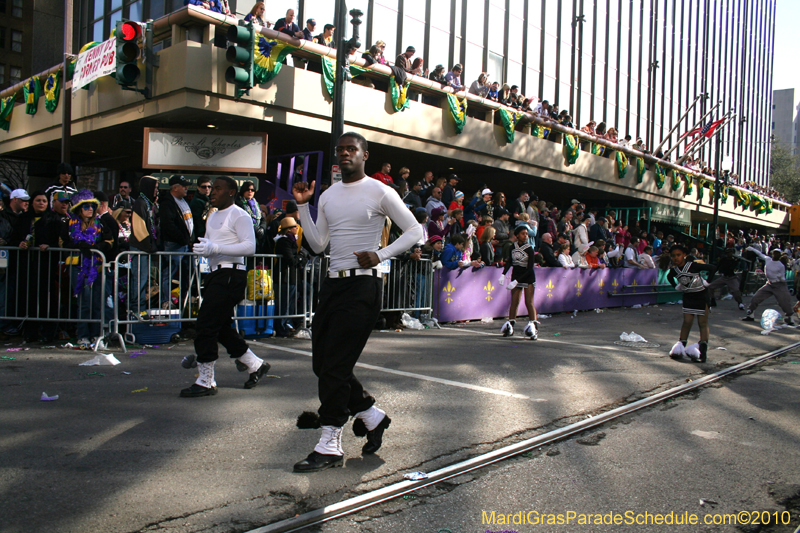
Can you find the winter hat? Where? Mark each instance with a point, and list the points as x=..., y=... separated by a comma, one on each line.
x=83, y=196
x=433, y=239
x=583, y=248
x=436, y=213
x=459, y=194
x=287, y=223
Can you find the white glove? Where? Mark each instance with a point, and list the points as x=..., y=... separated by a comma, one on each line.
x=463, y=264
x=502, y=280
x=512, y=285
x=205, y=247
x=437, y=265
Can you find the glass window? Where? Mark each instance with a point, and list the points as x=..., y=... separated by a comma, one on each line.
x=416, y=8
x=157, y=9
x=413, y=35
x=323, y=12
x=2, y=37
x=613, y=26
x=458, y=17
x=99, y=8
x=534, y=48
x=97, y=31
x=495, y=67
x=15, y=75
x=116, y=4
x=2, y=6
x=391, y=4
x=439, y=52
x=475, y=21
x=385, y=29
x=535, y=13
x=440, y=15
x=276, y=9
x=497, y=29
x=549, y=89
x=514, y=76
x=517, y=8
x=551, y=18
x=531, y=88
x=16, y=8
x=135, y=10
x=515, y=28
x=473, y=64
x=115, y=17
x=549, y=56
x=16, y=41
x=2, y=74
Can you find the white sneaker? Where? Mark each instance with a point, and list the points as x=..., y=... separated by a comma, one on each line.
x=531, y=331
x=508, y=329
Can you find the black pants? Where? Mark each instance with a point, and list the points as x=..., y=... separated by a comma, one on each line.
x=348, y=309
x=224, y=288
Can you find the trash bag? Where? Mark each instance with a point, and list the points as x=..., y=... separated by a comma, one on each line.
x=259, y=285
x=411, y=323
x=487, y=320
x=769, y=318
x=631, y=337
x=431, y=323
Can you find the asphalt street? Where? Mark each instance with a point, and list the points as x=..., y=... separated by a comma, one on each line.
x=119, y=451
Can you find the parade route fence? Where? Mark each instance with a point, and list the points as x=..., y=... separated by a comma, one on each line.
x=37, y=291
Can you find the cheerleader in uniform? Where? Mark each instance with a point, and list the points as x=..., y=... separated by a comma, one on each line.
x=523, y=279
x=685, y=277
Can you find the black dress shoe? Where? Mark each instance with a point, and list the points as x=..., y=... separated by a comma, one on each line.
x=375, y=437
x=255, y=376
x=317, y=461
x=195, y=391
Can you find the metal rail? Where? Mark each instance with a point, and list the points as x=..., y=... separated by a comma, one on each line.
x=370, y=499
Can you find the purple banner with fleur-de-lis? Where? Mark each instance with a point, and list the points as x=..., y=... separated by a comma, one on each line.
x=468, y=294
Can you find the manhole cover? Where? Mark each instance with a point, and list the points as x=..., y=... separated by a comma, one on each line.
x=643, y=345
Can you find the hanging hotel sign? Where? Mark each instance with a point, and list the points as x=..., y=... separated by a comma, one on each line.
x=186, y=150
x=94, y=63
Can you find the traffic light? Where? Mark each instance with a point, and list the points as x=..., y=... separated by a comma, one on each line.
x=241, y=55
x=128, y=34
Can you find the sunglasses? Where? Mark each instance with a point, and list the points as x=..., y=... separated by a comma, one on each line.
x=204, y=186
x=250, y=190
x=87, y=207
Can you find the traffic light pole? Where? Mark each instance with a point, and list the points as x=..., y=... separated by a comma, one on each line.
x=66, y=98
x=337, y=119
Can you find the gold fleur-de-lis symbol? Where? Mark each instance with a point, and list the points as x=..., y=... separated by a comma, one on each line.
x=615, y=285
x=635, y=283
x=550, y=288
x=489, y=288
x=578, y=286
x=449, y=289
x=601, y=285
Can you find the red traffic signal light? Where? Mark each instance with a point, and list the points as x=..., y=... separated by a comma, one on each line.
x=131, y=31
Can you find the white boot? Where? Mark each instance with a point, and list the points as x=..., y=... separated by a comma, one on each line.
x=330, y=443
x=508, y=328
x=693, y=351
x=206, y=377
x=677, y=351
x=251, y=361
x=371, y=417
x=531, y=332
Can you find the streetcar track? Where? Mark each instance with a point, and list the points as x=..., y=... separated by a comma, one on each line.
x=396, y=490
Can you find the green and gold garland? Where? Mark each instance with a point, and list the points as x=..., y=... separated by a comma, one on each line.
x=640, y=170
x=31, y=92
x=458, y=109
x=510, y=119
x=268, y=58
x=52, y=90
x=661, y=177
x=6, y=109
x=400, y=100
x=677, y=177
x=689, y=185
x=622, y=165
x=571, y=150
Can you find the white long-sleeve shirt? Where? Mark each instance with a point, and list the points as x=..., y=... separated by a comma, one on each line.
x=775, y=270
x=351, y=217
x=232, y=230
x=566, y=261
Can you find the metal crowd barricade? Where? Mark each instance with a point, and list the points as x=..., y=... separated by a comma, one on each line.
x=37, y=290
x=408, y=285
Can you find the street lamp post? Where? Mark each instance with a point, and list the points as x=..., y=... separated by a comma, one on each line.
x=342, y=71
x=724, y=166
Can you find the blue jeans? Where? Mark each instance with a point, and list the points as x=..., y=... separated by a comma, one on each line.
x=171, y=266
x=90, y=302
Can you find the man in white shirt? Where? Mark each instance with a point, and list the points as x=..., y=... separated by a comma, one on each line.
x=350, y=216
x=229, y=237
x=631, y=257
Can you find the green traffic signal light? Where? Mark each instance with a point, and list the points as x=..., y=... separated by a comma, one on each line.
x=241, y=55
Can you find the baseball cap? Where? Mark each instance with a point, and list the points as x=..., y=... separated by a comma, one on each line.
x=22, y=194
x=453, y=177
x=411, y=49
x=311, y=21
x=177, y=179
x=486, y=191
x=574, y=201
x=61, y=196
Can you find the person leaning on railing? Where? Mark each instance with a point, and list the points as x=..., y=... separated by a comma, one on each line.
x=38, y=268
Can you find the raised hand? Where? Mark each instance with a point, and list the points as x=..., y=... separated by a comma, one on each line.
x=303, y=192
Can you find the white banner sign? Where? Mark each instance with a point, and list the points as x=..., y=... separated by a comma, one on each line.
x=200, y=150
x=94, y=63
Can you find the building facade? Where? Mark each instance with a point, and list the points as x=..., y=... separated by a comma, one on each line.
x=31, y=38
x=783, y=121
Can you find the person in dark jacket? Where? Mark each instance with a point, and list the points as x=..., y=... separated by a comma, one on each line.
x=290, y=263
x=38, y=268
x=201, y=206
x=64, y=182
x=177, y=234
x=246, y=200
x=548, y=253
x=85, y=233
x=144, y=238
x=598, y=231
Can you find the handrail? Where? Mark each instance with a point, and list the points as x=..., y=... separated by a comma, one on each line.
x=192, y=13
